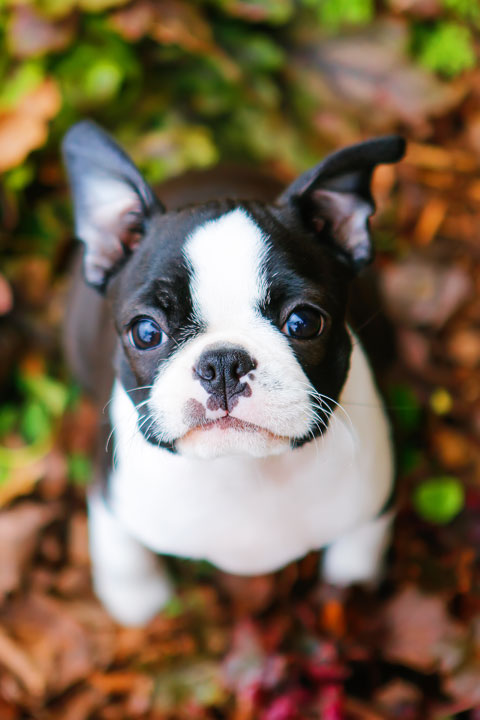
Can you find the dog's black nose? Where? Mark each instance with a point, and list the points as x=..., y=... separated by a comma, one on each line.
x=219, y=371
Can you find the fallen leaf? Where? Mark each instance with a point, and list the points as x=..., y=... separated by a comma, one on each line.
x=25, y=128
x=439, y=499
x=452, y=448
x=6, y=296
x=21, y=666
x=24, y=467
x=61, y=643
x=249, y=595
x=419, y=292
x=399, y=698
x=416, y=626
x=464, y=347
x=30, y=34
x=430, y=220
x=372, y=68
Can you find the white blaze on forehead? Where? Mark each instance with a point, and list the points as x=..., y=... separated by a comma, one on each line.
x=226, y=257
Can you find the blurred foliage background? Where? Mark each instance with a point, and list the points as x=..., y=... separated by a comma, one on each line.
x=277, y=83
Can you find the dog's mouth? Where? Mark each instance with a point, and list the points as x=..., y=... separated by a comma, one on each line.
x=227, y=422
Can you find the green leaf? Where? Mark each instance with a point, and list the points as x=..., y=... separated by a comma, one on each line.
x=4, y=474
x=174, y=608
x=270, y=11
x=103, y=79
x=79, y=469
x=94, y=71
x=467, y=9
x=50, y=393
x=410, y=460
x=25, y=78
x=8, y=418
x=35, y=423
x=448, y=48
x=405, y=406
x=439, y=500
x=332, y=14
x=256, y=52
x=19, y=177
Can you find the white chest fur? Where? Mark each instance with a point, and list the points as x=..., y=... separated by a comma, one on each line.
x=251, y=515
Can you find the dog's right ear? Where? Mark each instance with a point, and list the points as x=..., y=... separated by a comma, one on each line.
x=111, y=199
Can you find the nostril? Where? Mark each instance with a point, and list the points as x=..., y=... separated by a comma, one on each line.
x=243, y=366
x=206, y=371
x=223, y=367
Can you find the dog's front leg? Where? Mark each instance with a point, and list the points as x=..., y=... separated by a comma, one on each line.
x=127, y=577
x=357, y=557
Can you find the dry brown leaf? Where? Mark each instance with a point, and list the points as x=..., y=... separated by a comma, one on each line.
x=64, y=642
x=419, y=292
x=33, y=280
x=434, y=157
x=464, y=347
x=134, y=21
x=395, y=697
x=168, y=21
x=419, y=8
x=119, y=682
x=430, y=220
x=6, y=297
x=25, y=128
x=172, y=22
x=19, y=535
x=8, y=711
x=31, y=34
x=22, y=478
x=79, y=706
x=453, y=449
x=248, y=594
x=14, y=659
x=465, y=686
x=418, y=626
x=371, y=74
x=78, y=540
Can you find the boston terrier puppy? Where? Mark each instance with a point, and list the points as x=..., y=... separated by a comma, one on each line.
x=247, y=428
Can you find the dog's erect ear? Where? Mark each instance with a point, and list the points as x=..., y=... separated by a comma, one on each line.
x=111, y=199
x=336, y=193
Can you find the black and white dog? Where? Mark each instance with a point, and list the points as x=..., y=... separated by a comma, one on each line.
x=247, y=426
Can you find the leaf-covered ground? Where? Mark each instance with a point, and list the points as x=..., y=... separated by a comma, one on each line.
x=183, y=85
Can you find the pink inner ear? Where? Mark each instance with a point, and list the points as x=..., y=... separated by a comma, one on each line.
x=347, y=214
x=131, y=228
x=113, y=226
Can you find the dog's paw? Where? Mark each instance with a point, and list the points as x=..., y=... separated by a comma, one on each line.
x=133, y=601
x=358, y=556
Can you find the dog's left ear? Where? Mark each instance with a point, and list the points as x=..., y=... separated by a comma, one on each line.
x=111, y=199
x=336, y=193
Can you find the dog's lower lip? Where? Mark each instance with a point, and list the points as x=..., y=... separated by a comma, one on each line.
x=229, y=422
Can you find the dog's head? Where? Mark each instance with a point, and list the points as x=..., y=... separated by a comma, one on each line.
x=230, y=315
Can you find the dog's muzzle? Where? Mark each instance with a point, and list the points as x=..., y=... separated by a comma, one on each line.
x=220, y=371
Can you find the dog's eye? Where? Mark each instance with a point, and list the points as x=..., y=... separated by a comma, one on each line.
x=145, y=334
x=304, y=323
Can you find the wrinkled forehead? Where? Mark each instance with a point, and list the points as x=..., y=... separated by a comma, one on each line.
x=226, y=260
